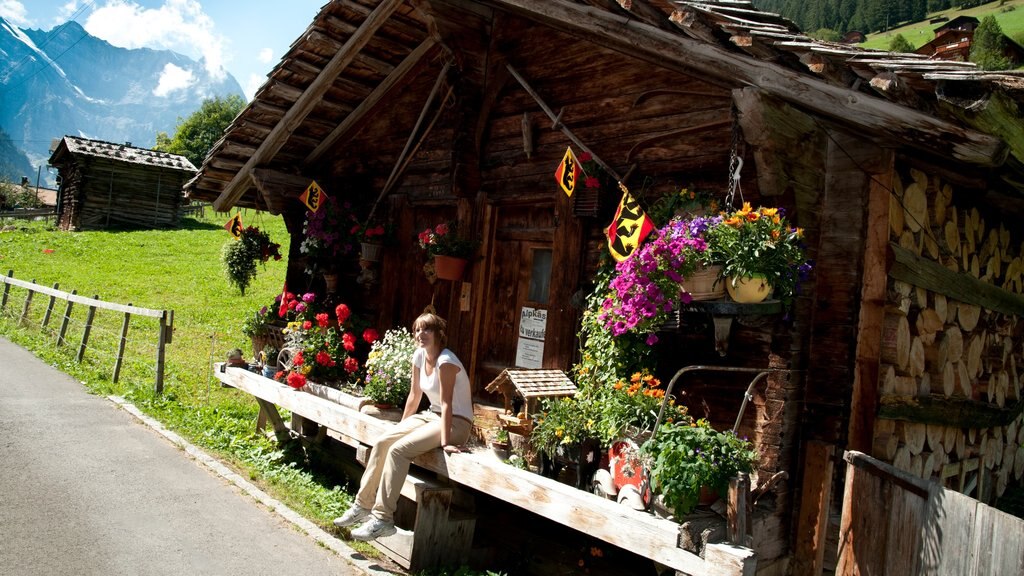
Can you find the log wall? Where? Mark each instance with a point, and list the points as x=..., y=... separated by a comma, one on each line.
x=952, y=371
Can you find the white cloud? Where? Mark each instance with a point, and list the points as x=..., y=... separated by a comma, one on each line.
x=173, y=78
x=15, y=13
x=265, y=55
x=67, y=11
x=179, y=25
x=252, y=84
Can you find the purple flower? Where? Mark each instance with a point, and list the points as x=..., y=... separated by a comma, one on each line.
x=309, y=297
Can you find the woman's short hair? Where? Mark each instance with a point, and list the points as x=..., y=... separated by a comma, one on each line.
x=434, y=323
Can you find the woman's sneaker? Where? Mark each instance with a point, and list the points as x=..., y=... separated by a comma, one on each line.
x=372, y=529
x=352, y=516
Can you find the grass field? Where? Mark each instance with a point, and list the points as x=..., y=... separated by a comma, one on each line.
x=1009, y=14
x=176, y=270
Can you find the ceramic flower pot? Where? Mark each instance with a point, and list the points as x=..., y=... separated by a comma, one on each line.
x=449, y=268
x=706, y=283
x=371, y=251
x=748, y=289
x=330, y=282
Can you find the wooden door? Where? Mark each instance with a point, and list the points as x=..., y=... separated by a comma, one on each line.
x=517, y=297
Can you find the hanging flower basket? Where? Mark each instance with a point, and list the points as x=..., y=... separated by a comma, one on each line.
x=371, y=251
x=449, y=267
x=748, y=289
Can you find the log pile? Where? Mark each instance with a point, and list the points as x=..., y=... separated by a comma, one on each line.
x=934, y=346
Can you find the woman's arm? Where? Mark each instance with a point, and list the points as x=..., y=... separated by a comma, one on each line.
x=448, y=373
x=412, y=401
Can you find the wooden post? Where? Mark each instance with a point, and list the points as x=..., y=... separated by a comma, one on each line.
x=815, y=497
x=28, y=303
x=7, y=290
x=49, y=306
x=64, y=323
x=121, y=344
x=88, y=328
x=738, y=512
x=161, y=342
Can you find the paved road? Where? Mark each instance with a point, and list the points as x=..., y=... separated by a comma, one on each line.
x=86, y=489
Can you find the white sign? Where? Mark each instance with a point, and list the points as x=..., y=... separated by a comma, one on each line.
x=529, y=353
x=533, y=323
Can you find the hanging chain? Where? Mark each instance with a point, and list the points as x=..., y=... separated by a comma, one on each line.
x=735, y=163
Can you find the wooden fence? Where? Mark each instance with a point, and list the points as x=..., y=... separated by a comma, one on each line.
x=164, y=317
x=896, y=523
x=45, y=213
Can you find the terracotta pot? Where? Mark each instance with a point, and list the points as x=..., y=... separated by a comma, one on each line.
x=371, y=251
x=706, y=283
x=331, y=282
x=748, y=289
x=449, y=268
x=708, y=496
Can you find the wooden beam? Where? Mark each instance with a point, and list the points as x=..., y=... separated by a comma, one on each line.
x=955, y=412
x=913, y=269
x=715, y=63
x=815, y=505
x=305, y=103
x=370, y=102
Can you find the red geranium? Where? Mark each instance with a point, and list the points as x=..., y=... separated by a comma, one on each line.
x=306, y=324
x=323, y=319
x=370, y=335
x=324, y=359
x=296, y=380
x=298, y=359
x=348, y=341
x=351, y=365
x=342, y=312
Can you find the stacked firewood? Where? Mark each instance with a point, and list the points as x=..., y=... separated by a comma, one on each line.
x=934, y=347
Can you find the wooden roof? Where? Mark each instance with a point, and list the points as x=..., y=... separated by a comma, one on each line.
x=357, y=56
x=534, y=383
x=127, y=153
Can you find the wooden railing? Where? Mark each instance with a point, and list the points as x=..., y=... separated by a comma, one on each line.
x=164, y=317
x=896, y=523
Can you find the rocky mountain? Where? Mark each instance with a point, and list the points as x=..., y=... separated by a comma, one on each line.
x=65, y=81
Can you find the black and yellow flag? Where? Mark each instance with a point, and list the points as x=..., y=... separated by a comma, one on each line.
x=313, y=197
x=629, y=227
x=568, y=172
x=234, y=226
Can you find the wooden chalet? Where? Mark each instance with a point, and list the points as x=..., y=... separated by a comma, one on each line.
x=905, y=173
x=104, y=185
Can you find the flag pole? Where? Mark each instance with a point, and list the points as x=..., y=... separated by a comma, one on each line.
x=557, y=123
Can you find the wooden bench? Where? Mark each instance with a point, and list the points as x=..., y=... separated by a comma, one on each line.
x=639, y=532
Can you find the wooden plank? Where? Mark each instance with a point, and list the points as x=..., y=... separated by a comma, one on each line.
x=952, y=519
x=305, y=104
x=956, y=411
x=862, y=529
x=73, y=297
x=815, y=500
x=49, y=307
x=906, y=512
x=913, y=269
x=89, y=316
x=641, y=533
x=874, y=115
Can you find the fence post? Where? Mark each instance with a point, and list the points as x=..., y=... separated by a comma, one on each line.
x=120, y=345
x=49, y=306
x=28, y=302
x=64, y=322
x=160, y=354
x=7, y=290
x=88, y=328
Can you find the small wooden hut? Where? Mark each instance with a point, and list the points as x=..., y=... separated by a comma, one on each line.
x=905, y=173
x=105, y=185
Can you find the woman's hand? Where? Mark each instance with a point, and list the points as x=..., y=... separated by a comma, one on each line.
x=451, y=449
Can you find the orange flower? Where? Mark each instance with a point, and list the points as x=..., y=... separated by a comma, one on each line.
x=733, y=221
x=769, y=211
x=775, y=234
x=753, y=217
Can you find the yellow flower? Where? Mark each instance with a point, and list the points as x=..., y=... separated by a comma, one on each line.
x=769, y=211
x=559, y=432
x=799, y=232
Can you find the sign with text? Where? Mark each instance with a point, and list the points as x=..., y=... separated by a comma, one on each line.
x=533, y=324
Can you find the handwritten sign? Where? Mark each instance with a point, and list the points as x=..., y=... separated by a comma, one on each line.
x=533, y=324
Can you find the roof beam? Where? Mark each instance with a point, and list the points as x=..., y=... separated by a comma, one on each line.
x=359, y=113
x=837, y=103
x=305, y=104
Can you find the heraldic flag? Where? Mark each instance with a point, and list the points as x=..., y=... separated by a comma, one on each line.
x=629, y=228
x=234, y=226
x=568, y=172
x=313, y=197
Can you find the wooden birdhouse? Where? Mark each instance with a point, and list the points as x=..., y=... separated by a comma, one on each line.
x=528, y=386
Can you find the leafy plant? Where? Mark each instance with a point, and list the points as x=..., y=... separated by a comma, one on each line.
x=685, y=457
x=751, y=242
x=501, y=436
x=444, y=240
x=328, y=235
x=195, y=136
x=389, y=367
x=240, y=257
x=323, y=348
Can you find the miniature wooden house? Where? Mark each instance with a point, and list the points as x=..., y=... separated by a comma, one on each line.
x=895, y=166
x=523, y=389
x=103, y=184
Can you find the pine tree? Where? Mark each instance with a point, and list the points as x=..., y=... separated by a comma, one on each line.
x=988, y=49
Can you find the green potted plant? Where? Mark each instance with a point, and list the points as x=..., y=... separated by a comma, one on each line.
x=389, y=368
x=449, y=251
x=269, y=357
x=684, y=458
x=759, y=253
x=327, y=237
x=240, y=257
x=371, y=237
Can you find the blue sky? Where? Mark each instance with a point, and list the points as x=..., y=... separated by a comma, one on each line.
x=245, y=38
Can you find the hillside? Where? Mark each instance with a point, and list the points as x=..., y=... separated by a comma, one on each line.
x=65, y=81
x=1009, y=15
